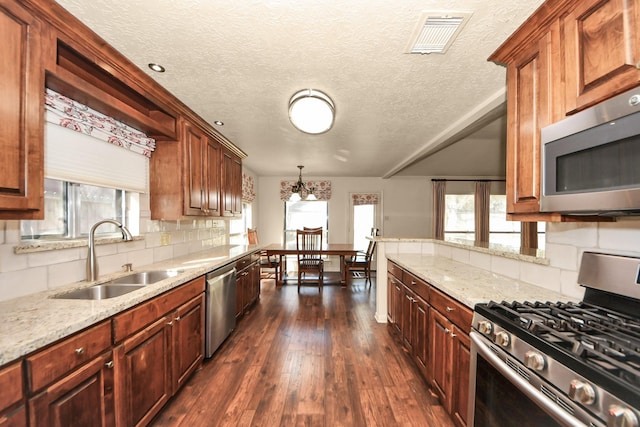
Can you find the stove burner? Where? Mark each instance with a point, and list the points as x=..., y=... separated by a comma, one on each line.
x=604, y=339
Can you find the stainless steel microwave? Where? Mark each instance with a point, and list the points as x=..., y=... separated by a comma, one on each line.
x=591, y=160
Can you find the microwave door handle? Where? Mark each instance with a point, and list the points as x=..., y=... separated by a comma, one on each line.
x=522, y=385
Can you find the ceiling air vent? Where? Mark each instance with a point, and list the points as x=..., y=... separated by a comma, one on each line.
x=436, y=30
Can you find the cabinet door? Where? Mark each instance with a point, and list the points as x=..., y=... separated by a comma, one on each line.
x=408, y=302
x=398, y=304
x=461, y=365
x=188, y=341
x=441, y=360
x=231, y=184
x=213, y=176
x=12, y=409
x=195, y=198
x=602, y=51
x=241, y=283
x=143, y=374
x=21, y=113
x=82, y=398
x=421, y=337
x=528, y=110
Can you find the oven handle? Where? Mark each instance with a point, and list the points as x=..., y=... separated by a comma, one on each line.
x=530, y=391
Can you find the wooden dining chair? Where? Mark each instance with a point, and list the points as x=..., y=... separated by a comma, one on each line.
x=308, y=247
x=361, y=263
x=265, y=261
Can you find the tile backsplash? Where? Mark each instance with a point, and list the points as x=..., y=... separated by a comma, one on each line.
x=27, y=273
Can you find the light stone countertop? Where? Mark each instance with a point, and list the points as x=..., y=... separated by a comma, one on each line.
x=34, y=321
x=471, y=285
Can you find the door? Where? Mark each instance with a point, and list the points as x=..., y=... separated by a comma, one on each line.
x=364, y=215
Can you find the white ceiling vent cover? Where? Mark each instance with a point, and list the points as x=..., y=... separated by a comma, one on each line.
x=436, y=30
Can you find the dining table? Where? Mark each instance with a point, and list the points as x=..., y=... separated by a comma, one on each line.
x=342, y=250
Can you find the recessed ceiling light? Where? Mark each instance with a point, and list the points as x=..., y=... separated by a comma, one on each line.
x=156, y=67
x=218, y=123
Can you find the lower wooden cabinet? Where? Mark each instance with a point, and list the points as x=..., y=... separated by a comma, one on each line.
x=247, y=283
x=188, y=339
x=83, y=398
x=433, y=328
x=12, y=407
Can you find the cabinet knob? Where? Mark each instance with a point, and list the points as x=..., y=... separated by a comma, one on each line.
x=177, y=319
x=109, y=364
x=446, y=330
x=79, y=351
x=170, y=323
x=449, y=309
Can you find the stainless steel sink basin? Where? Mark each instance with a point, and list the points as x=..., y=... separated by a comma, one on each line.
x=99, y=292
x=145, y=277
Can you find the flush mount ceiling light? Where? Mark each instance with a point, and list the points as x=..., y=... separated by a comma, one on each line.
x=436, y=31
x=311, y=111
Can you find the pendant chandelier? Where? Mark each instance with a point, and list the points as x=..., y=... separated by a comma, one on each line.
x=299, y=188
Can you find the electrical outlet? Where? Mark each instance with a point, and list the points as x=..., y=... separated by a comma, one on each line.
x=165, y=239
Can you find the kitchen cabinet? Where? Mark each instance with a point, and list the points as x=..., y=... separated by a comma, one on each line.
x=159, y=344
x=231, y=184
x=566, y=56
x=394, y=297
x=247, y=283
x=602, y=51
x=72, y=382
x=12, y=406
x=449, y=327
x=21, y=113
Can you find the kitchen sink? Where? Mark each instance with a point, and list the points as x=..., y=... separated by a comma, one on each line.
x=143, y=278
x=99, y=292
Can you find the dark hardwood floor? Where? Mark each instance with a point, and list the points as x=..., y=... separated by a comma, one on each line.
x=308, y=359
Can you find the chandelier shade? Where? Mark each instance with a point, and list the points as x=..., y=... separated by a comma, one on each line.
x=311, y=111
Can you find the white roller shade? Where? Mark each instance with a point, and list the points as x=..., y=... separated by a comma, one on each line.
x=78, y=157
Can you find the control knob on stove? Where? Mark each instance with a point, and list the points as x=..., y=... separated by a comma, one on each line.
x=619, y=416
x=485, y=327
x=582, y=392
x=534, y=360
x=503, y=339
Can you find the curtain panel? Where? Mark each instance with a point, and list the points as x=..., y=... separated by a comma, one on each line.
x=481, y=211
x=248, y=191
x=439, y=189
x=321, y=189
x=67, y=113
x=365, y=199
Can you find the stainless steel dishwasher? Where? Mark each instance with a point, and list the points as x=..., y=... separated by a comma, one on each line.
x=220, y=312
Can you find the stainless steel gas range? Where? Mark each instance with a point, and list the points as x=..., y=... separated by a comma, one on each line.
x=561, y=364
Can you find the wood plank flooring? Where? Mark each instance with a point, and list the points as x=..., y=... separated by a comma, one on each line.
x=308, y=359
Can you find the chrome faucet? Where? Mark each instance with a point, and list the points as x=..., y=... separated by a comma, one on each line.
x=92, y=263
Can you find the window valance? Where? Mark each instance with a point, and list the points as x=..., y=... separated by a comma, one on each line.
x=365, y=198
x=321, y=189
x=248, y=191
x=70, y=114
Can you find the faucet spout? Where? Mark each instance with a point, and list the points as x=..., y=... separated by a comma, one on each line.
x=92, y=262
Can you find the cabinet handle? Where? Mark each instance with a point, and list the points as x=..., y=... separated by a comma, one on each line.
x=170, y=323
x=453, y=335
x=413, y=283
x=446, y=330
x=177, y=319
x=449, y=309
x=79, y=351
x=109, y=364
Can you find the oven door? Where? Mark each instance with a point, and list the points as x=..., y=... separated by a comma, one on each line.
x=499, y=396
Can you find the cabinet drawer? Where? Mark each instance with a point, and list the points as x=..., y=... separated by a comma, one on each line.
x=418, y=286
x=394, y=269
x=55, y=361
x=11, y=390
x=457, y=313
x=135, y=319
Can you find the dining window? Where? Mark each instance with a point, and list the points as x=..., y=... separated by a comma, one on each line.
x=305, y=213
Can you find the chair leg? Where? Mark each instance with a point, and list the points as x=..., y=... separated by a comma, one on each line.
x=299, y=280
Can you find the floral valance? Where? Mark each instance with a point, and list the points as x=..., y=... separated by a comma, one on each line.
x=365, y=198
x=66, y=112
x=248, y=191
x=321, y=189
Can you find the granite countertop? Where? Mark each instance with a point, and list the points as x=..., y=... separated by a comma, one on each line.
x=34, y=321
x=471, y=285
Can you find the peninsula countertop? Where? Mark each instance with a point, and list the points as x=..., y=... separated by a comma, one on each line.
x=471, y=285
x=34, y=321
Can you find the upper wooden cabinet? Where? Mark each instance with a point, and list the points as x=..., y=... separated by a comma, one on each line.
x=21, y=113
x=602, y=51
x=231, y=184
x=568, y=55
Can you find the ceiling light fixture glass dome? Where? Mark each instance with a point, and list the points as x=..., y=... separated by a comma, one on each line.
x=311, y=111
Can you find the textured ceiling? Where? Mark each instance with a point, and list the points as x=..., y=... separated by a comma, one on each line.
x=240, y=62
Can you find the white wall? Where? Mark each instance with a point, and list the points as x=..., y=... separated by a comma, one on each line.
x=406, y=206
